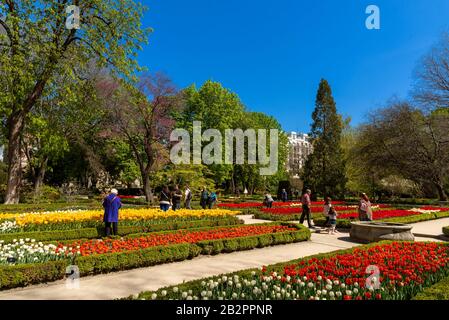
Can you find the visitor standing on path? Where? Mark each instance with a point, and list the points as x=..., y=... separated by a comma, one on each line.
x=188, y=198
x=284, y=195
x=176, y=198
x=111, y=205
x=331, y=214
x=306, y=203
x=204, y=198
x=365, y=211
x=212, y=200
x=164, y=199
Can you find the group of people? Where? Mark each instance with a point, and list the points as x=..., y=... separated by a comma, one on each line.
x=112, y=204
x=174, y=198
x=364, y=209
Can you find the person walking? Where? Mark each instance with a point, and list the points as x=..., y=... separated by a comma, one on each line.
x=111, y=205
x=284, y=195
x=365, y=211
x=164, y=199
x=268, y=200
x=306, y=203
x=176, y=198
x=204, y=198
x=188, y=198
x=212, y=200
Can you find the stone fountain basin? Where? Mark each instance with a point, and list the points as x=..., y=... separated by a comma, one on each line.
x=370, y=231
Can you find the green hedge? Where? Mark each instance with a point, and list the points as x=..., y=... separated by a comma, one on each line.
x=23, y=275
x=446, y=231
x=91, y=233
x=439, y=291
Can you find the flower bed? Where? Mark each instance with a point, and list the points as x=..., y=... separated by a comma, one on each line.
x=99, y=231
x=142, y=250
x=405, y=269
x=90, y=247
x=91, y=218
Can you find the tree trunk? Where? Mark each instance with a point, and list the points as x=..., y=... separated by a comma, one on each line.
x=39, y=178
x=441, y=193
x=15, y=126
x=147, y=187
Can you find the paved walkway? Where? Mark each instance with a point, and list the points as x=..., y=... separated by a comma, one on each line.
x=432, y=228
x=126, y=283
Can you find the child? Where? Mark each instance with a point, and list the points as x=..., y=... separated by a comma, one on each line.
x=331, y=214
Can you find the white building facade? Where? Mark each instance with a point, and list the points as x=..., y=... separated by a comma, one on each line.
x=300, y=149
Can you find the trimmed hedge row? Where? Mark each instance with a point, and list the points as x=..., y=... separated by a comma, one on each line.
x=439, y=291
x=91, y=233
x=446, y=231
x=23, y=275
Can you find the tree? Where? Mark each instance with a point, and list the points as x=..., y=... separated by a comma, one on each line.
x=432, y=77
x=36, y=46
x=402, y=140
x=217, y=108
x=141, y=117
x=324, y=170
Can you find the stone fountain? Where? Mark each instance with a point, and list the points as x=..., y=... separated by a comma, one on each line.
x=370, y=231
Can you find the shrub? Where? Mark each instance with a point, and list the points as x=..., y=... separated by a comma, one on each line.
x=439, y=291
x=446, y=231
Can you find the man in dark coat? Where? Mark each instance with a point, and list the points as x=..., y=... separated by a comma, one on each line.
x=111, y=205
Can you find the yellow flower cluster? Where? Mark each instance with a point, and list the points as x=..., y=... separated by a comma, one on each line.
x=97, y=215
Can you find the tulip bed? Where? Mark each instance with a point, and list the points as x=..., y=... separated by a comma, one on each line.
x=346, y=214
x=134, y=251
x=70, y=220
x=406, y=269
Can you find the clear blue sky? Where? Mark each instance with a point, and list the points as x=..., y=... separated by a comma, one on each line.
x=274, y=53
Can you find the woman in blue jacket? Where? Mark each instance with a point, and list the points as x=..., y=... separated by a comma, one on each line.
x=111, y=205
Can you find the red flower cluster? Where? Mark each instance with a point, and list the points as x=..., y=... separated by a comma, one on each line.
x=256, y=204
x=381, y=214
x=183, y=236
x=405, y=267
x=128, y=197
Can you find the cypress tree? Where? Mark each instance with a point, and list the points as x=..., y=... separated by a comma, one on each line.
x=324, y=170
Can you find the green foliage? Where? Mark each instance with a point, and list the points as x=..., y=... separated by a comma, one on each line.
x=439, y=291
x=446, y=231
x=324, y=170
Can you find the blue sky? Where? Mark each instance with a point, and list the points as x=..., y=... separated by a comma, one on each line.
x=274, y=53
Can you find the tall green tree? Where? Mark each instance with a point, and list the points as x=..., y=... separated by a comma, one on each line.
x=324, y=170
x=38, y=44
